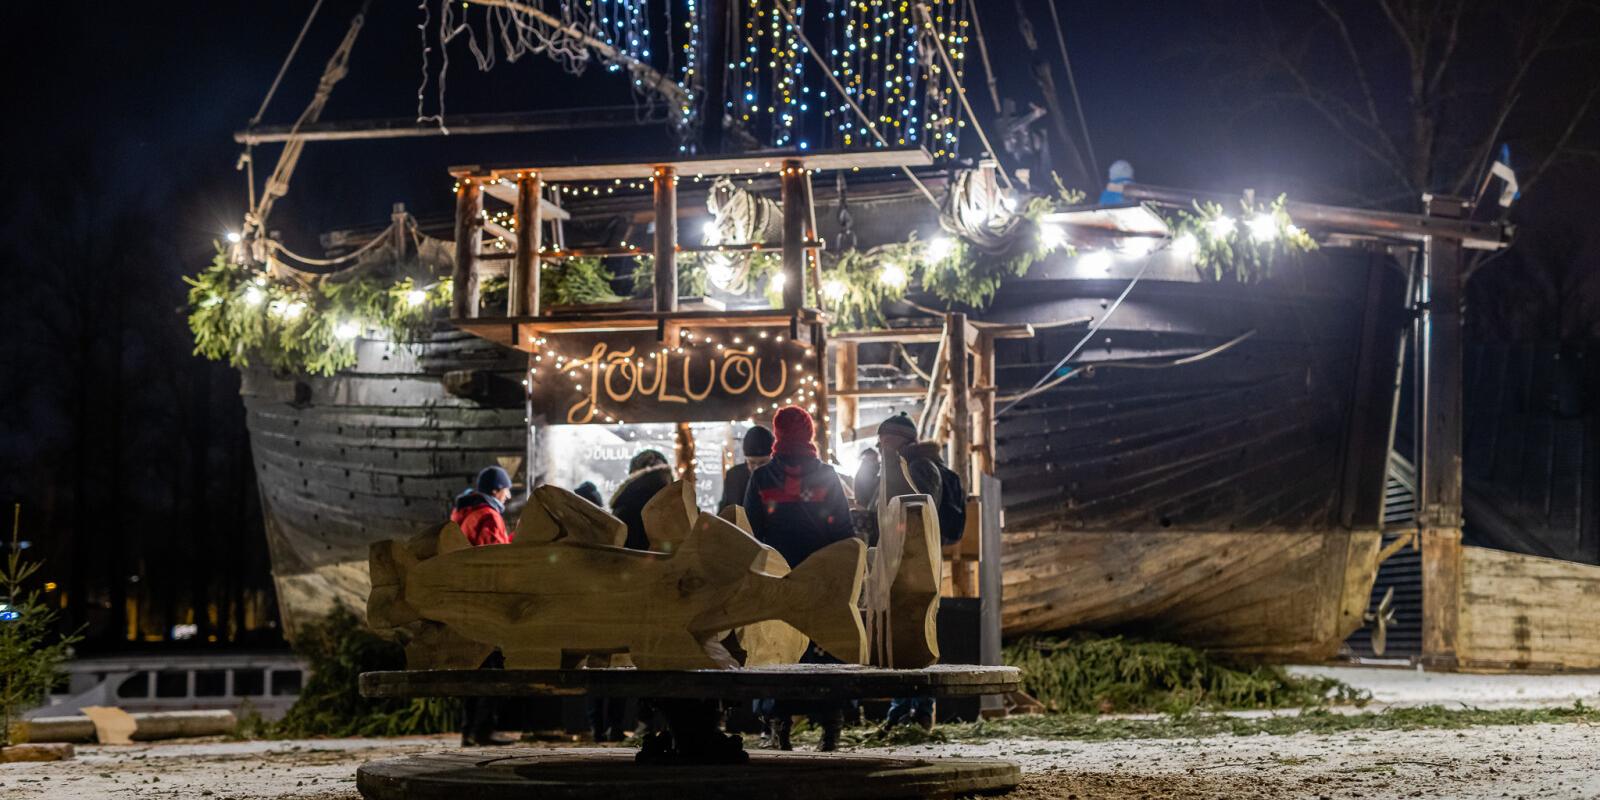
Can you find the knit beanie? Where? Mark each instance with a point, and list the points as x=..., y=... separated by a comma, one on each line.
x=899, y=424
x=794, y=430
x=588, y=491
x=757, y=442
x=646, y=459
x=491, y=480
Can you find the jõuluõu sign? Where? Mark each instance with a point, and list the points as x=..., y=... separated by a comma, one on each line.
x=624, y=377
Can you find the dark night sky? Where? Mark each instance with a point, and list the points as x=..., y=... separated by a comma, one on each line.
x=118, y=167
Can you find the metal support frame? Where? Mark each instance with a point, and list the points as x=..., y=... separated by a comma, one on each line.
x=796, y=212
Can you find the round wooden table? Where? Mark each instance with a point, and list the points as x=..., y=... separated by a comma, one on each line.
x=693, y=758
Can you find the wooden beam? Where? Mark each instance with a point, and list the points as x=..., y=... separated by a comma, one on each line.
x=522, y=296
x=795, y=213
x=928, y=334
x=960, y=398
x=881, y=391
x=566, y=119
x=1441, y=596
x=885, y=158
x=469, y=227
x=665, y=182
x=845, y=373
x=633, y=250
x=505, y=190
x=985, y=422
x=819, y=344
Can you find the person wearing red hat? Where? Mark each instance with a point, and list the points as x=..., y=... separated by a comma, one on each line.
x=796, y=505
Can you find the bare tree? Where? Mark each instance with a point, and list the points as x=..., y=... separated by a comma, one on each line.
x=1425, y=90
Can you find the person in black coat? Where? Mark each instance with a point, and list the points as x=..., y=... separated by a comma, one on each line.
x=648, y=473
x=796, y=505
x=757, y=449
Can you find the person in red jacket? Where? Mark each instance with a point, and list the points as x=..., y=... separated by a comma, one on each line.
x=480, y=511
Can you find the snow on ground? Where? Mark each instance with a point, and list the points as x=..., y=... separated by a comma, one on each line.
x=1534, y=761
x=1411, y=687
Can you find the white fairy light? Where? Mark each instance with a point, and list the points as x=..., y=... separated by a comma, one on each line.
x=234, y=237
x=833, y=289
x=1221, y=227
x=1052, y=236
x=294, y=310
x=940, y=248
x=893, y=276
x=709, y=232
x=776, y=284
x=347, y=330
x=416, y=297
x=253, y=296
x=1263, y=227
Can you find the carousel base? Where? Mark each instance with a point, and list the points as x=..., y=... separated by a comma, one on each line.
x=614, y=774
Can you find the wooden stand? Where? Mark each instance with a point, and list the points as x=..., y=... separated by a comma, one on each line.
x=694, y=757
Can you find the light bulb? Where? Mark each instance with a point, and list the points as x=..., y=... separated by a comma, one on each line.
x=940, y=248
x=253, y=296
x=1221, y=227
x=1263, y=227
x=777, y=282
x=709, y=232
x=294, y=310
x=347, y=330
x=1051, y=236
x=833, y=289
x=416, y=297
x=893, y=276
x=234, y=237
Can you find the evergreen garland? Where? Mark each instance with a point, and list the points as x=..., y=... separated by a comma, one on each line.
x=1240, y=252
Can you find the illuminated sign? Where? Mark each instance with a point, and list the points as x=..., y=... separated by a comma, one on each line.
x=629, y=376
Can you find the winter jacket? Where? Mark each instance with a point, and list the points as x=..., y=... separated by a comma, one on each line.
x=734, y=483
x=627, y=503
x=480, y=517
x=796, y=505
x=919, y=476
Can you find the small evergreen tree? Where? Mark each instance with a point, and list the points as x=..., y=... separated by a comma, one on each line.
x=31, y=651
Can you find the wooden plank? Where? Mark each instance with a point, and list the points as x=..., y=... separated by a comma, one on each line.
x=959, y=399
x=928, y=334
x=1527, y=612
x=565, y=119
x=791, y=682
x=505, y=190
x=885, y=158
x=844, y=383
x=1441, y=595
x=824, y=424
x=881, y=391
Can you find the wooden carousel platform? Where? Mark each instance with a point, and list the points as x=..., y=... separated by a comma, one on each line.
x=693, y=757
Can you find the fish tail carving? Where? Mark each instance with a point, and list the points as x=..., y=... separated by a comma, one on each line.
x=813, y=598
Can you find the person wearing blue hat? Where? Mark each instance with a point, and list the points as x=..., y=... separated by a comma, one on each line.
x=480, y=510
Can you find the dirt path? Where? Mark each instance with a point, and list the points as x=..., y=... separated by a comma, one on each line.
x=1536, y=761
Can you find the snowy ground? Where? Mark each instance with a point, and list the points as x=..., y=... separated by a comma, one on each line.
x=1534, y=761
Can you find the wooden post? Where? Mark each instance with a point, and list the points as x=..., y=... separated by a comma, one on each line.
x=819, y=340
x=683, y=451
x=469, y=230
x=666, y=244
x=522, y=296
x=845, y=369
x=961, y=419
x=1439, y=478
x=795, y=214
x=985, y=422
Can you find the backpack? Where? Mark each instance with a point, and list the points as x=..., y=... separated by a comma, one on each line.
x=952, y=506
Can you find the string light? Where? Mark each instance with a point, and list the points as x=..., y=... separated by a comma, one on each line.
x=1263, y=227
x=893, y=276
x=1052, y=236
x=1222, y=227
x=347, y=330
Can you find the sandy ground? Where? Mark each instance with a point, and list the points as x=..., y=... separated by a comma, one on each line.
x=1537, y=761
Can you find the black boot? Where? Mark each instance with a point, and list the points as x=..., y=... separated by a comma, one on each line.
x=832, y=726
x=781, y=726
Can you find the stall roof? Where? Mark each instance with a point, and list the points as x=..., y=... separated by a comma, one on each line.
x=714, y=165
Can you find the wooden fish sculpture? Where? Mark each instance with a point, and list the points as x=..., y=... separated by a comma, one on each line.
x=547, y=605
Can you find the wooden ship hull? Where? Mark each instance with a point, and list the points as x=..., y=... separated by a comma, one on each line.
x=1198, y=502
